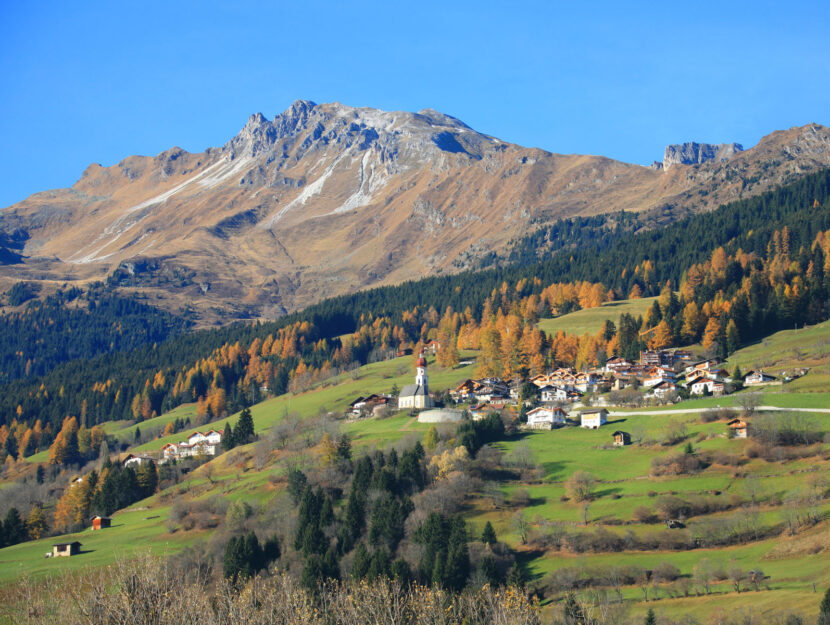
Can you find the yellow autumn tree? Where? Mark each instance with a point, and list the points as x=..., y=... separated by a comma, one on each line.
x=661, y=338
x=711, y=334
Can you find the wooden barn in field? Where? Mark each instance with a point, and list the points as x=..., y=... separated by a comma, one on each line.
x=100, y=522
x=66, y=549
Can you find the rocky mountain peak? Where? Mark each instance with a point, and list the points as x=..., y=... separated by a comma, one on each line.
x=693, y=153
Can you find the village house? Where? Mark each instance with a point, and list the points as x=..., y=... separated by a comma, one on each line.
x=550, y=394
x=664, y=389
x=593, y=418
x=432, y=347
x=197, y=444
x=136, y=461
x=656, y=358
x=463, y=392
x=66, y=549
x=100, y=522
x=701, y=385
x=545, y=418
x=738, y=427
x=755, y=378
x=697, y=368
x=617, y=363
x=621, y=438
x=369, y=404
x=416, y=396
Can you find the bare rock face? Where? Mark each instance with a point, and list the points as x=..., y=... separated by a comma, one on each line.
x=692, y=153
x=324, y=199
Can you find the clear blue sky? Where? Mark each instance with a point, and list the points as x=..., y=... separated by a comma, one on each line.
x=85, y=82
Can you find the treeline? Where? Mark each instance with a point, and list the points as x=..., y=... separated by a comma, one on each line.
x=73, y=324
x=782, y=283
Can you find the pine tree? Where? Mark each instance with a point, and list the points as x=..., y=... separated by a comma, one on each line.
x=488, y=536
x=14, y=528
x=650, y=618
x=516, y=576
x=243, y=433
x=228, y=441
x=360, y=563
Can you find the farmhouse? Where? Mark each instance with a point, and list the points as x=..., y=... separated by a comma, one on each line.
x=197, y=444
x=755, y=378
x=738, y=427
x=100, y=522
x=545, y=418
x=135, y=461
x=66, y=549
x=417, y=395
x=593, y=418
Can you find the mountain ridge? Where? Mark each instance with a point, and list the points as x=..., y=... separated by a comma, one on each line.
x=326, y=198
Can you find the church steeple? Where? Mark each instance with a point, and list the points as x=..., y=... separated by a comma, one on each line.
x=421, y=373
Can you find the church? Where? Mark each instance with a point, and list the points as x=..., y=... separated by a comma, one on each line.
x=417, y=395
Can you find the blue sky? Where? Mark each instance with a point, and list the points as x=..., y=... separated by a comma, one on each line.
x=87, y=82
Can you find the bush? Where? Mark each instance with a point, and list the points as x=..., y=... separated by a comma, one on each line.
x=644, y=514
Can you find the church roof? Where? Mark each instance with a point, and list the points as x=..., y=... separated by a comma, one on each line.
x=411, y=390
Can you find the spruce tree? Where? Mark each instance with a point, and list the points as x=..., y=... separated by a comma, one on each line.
x=488, y=536
x=13, y=527
x=243, y=433
x=360, y=563
x=228, y=441
x=650, y=618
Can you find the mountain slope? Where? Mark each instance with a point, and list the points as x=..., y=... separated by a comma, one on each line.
x=324, y=199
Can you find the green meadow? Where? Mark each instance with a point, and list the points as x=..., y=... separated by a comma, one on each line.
x=591, y=319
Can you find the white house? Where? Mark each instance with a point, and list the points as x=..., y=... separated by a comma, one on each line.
x=197, y=444
x=758, y=377
x=136, y=461
x=594, y=418
x=545, y=418
x=664, y=388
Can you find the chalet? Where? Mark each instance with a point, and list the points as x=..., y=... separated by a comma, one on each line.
x=617, y=363
x=545, y=418
x=755, y=378
x=621, y=438
x=432, y=347
x=700, y=385
x=101, y=522
x=197, y=444
x=664, y=389
x=654, y=357
x=66, y=549
x=550, y=394
x=703, y=365
x=593, y=418
x=371, y=403
x=738, y=427
x=136, y=461
x=463, y=392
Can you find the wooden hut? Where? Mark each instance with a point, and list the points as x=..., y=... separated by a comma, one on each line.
x=100, y=522
x=66, y=549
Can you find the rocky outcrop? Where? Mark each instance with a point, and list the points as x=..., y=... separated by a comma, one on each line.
x=692, y=153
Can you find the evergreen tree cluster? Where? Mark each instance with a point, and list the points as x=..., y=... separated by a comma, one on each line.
x=242, y=434
x=245, y=557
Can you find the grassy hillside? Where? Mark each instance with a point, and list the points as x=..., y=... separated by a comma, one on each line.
x=591, y=319
x=625, y=482
x=789, y=349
